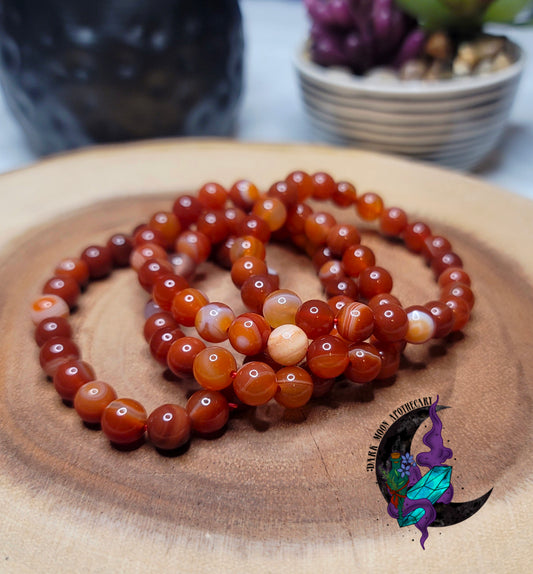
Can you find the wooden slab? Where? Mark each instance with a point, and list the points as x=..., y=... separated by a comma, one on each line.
x=278, y=492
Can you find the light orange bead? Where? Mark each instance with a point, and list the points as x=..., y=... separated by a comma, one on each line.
x=194, y=244
x=421, y=326
x=295, y=387
x=214, y=367
x=212, y=322
x=287, y=344
x=91, y=400
x=280, y=307
x=247, y=267
x=167, y=224
x=369, y=206
x=144, y=252
x=272, y=211
x=46, y=306
x=247, y=246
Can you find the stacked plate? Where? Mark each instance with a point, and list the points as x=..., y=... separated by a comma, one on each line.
x=455, y=123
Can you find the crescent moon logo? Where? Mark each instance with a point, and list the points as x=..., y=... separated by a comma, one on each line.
x=413, y=497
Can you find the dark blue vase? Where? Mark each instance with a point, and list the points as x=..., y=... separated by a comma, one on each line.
x=78, y=72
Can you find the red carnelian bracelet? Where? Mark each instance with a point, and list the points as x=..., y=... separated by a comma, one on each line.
x=362, y=341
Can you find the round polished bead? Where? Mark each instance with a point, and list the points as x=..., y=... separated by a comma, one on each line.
x=181, y=354
x=187, y=209
x=327, y=357
x=453, y=275
x=56, y=351
x=338, y=302
x=234, y=217
x=244, y=193
x=369, y=206
x=272, y=210
x=124, y=421
x=393, y=221
x=222, y=253
x=445, y=261
x=247, y=267
x=255, y=290
x=296, y=216
x=345, y=194
x=213, y=225
x=212, y=196
x=355, y=322
x=255, y=383
x=323, y=186
x=65, y=287
x=421, y=325
x=255, y=227
x=47, y=306
x=321, y=255
x=168, y=226
x=365, y=363
x=356, y=258
x=345, y=286
x=340, y=237
x=390, y=322
x=435, y=246
x=383, y=299
x=186, y=304
x=460, y=310
x=169, y=427
x=157, y=321
x=287, y=345
x=459, y=290
x=143, y=234
x=303, y=183
x=374, y=280
x=120, y=246
x=280, y=307
x=415, y=234
x=70, y=376
x=194, y=244
x=295, y=387
x=99, y=260
x=443, y=317
x=52, y=327
x=75, y=268
x=183, y=264
x=143, y=253
x=208, y=411
x=390, y=359
x=331, y=269
x=214, y=368
x=315, y=317
x=285, y=191
x=161, y=341
x=317, y=227
x=248, y=334
x=213, y=320
x=151, y=270
x=247, y=246
x=165, y=287
x=91, y=400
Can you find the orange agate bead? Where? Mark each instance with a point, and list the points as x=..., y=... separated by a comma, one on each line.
x=75, y=268
x=315, y=317
x=70, y=376
x=56, y=351
x=165, y=287
x=355, y=322
x=255, y=383
x=143, y=253
x=421, y=325
x=390, y=322
x=365, y=363
x=327, y=357
x=323, y=186
x=248, y=334
x=340, y=237
x=369, y=206
x=65, y=287
x=124, y=421
x=247, y=246
x=345, y=194
x=169, y=427
x=255, y=290
x=272, y=210
x=181, y=354
x=287, y=344
x=356, y=258
x=246, y=267
x=280, y=307
x=303, y=183
x=244, y=193
x=50, y=328
x=317, y=227
x=212, y=322
x=443, y=317
x=295, y=387
x=393, y=221
x=213, y=225
x=374, y=280
x=194, y=244
x=214, y=368
x=212, y=196
x=167, y=224
x=91, y=400
x=208, y=411
x=187, y=209
x=47, y=306
x=186, y=304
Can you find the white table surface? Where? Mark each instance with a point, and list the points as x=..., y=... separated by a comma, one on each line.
x=272, y=110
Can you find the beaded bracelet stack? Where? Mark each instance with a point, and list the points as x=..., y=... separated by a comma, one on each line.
x=293, y=350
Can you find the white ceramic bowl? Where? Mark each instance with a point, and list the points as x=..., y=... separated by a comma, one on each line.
x=455, y=123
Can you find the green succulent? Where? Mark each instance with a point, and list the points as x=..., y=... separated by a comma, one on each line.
x=462, y=15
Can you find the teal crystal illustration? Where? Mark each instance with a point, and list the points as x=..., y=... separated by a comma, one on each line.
x=431, y=486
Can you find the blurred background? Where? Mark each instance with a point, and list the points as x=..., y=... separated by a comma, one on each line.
x=245, y=71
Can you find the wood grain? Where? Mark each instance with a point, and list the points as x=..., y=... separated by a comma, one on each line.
x=278, y=492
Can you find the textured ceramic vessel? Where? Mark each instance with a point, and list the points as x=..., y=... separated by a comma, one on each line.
x=82, y=72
